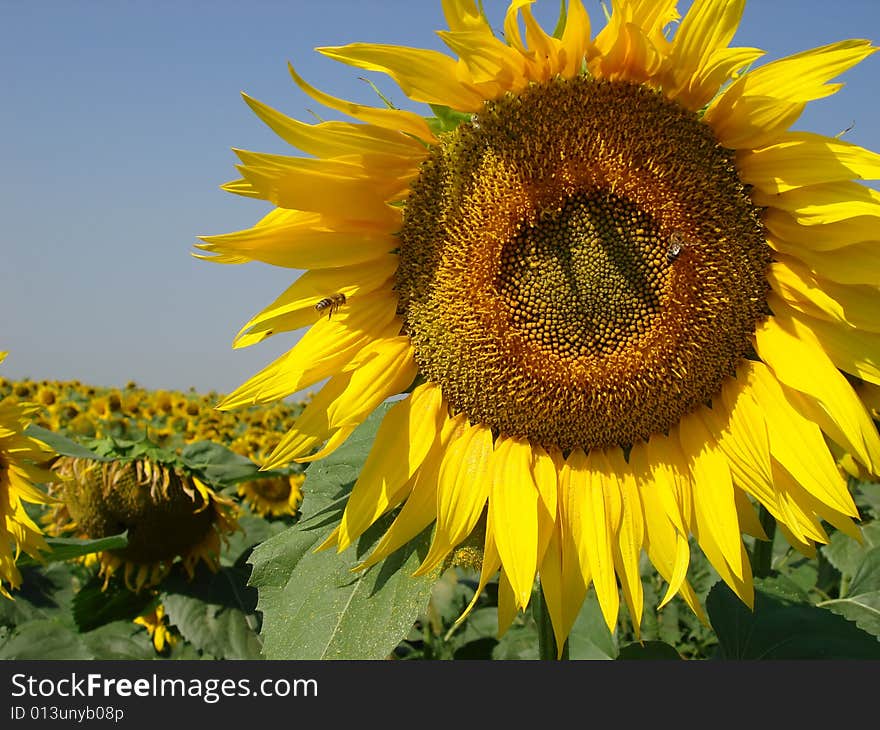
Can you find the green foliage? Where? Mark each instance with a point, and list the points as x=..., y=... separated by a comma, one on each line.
x=314, y=606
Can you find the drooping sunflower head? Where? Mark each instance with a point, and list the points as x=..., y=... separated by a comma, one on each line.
x=169, y=516
x=620, y=293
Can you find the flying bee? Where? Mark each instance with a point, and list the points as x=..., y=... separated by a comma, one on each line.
x=333, y=303
x=677, y=244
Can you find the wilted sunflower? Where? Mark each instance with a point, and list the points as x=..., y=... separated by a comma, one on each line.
x=618, y=293
x=20, y=470
x=169, y=515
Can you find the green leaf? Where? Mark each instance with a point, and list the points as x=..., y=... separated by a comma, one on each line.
x=63, y=549
x=590, y=637
x=45, y=639
x=779, y=629
x=861, y=603
x=120, y=640
x=62, y=444
x=94, y=606
x=46, y=592
x=561, y=21
x=254, y=530
x=520, y=643
x=649, y=650
x=220, y=466
x=215, y=613
x=315, y=607
x=846, y=554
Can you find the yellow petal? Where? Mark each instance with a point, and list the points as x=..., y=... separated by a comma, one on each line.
x=592, y=525
x=304, y=240
x=385, y=368
x=854, y=264
x=853, y=351
x=506, y=604
x=803, y=290
x=714, y=500
x=327, y=347
x=375, y=145
x=420, y=508
x=513, y=512
x=666, y=545
x=759, y=106
x=816, y=235
x=575, y=39
x=462, y=490
x=395, y=119
x=324, y=186
x=423, y=75
x=831, y=202
x=797, y=443
x=295, y=308
x=798, y=159
x=708, y=27
x=629, y=538
x=800, y=363
x=402, y=442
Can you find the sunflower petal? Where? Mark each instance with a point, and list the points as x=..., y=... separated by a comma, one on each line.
x=513, y=512
x=800, y=363
x=407, y=431
x=423, y=75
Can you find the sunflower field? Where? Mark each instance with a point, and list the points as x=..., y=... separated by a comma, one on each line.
x=592, y=355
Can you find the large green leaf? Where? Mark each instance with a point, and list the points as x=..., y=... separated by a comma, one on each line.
x=215, y=613
x=120, y=640
x=221, y=466
x=861, y=603
x=44, y=639
x=94, y=605
x=63, y=445
x=780, y=629
x=313, y=605
x=323, y=610
x=62, y=549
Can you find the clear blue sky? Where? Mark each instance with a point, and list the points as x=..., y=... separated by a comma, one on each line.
x=117, y=120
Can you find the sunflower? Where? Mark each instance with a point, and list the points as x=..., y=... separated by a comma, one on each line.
x=273, y=496
x=169, y=514
x=20, y=471
x=618, y=293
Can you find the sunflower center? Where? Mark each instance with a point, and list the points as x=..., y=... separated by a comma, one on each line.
x=580, y=265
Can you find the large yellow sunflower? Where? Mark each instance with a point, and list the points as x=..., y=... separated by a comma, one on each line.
x=20, y=470
x=618, y=295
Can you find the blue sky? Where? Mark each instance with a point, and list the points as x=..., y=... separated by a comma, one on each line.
x=117, y=122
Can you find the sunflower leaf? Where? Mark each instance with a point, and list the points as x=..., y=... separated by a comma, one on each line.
x=649, y=650
x=215, y=614
x=95, y=606
x=63, y=445
x=220, y=466
x=119, y=640
x=44, y=639
x=861, y=603
x=781, y=629
x=62, y=549
x=313, y=605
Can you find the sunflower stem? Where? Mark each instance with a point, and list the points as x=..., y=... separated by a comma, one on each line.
x=762, y=550
x=547, y=649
